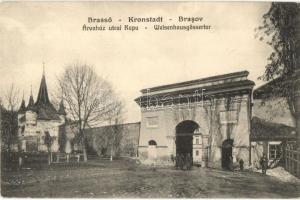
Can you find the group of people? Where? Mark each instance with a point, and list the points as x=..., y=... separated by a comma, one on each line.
x=184, y=161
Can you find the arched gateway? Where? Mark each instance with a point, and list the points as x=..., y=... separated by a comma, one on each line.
x=226, y=153
x=184, y=137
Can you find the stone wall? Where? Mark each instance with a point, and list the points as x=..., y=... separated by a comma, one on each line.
x=99, y=139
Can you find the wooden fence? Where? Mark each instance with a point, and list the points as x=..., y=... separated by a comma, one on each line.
x=292, y=161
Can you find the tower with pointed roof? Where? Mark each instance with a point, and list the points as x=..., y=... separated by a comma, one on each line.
x=38, y=118
x=31, y=101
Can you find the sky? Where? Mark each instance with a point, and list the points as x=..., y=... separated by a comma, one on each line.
x=35, y=32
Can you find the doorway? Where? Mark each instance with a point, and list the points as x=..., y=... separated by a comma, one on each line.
x=226, y=153
x=184, y=137
x=152, y=153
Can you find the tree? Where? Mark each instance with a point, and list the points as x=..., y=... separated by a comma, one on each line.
x=9, y=118
x=90, y=99
x=281, y=26
x=116, y=133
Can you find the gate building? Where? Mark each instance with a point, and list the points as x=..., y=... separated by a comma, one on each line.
x=208, y=118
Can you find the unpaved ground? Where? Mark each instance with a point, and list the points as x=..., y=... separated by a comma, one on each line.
x=125, y=179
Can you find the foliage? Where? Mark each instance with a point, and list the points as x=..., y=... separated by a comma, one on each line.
x=9, y=117
x=108, y=140
x=9, y=128
x=279, y=29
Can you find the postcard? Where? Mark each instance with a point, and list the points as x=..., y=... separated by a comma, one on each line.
x=147, y=99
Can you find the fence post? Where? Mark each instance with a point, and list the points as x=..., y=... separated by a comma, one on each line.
x=285, y=155
x=297, y=164
x=293, y=163
x=289, y=161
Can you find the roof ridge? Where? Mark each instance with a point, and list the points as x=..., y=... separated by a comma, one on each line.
x=200, y=80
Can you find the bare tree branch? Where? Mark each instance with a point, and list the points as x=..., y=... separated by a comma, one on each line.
x=90, y=100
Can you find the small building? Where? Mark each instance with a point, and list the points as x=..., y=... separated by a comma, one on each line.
x=38, y=119
x=207, y=118
x=272, y=124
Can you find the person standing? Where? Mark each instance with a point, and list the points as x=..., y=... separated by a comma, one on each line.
x=181, y=161
x=188, y=161
x=241, y=162
x=21, y=159
x=177, y=158
x=264, y=164
x=230, y=164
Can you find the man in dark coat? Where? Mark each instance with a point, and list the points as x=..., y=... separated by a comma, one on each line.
x=188, y=161
x=181, y=161
x=241, y=162
x=230, y=164
x=177, y=161
x=264, y=164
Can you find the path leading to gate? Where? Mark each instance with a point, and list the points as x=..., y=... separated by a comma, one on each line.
x=126, y=179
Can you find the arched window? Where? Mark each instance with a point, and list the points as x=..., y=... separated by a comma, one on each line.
x=152, y=142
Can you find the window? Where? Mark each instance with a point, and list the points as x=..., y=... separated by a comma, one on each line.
x=197, y=153
x=152, y=122
x=274, y=151
x=152, y=143
x=230, y=116
x=197, y=141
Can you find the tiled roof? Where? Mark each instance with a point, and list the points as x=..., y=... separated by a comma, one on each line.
x=47, y=112
x=264, y=130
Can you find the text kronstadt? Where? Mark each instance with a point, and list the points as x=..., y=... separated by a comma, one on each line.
x=145, y=19
x=154, y=102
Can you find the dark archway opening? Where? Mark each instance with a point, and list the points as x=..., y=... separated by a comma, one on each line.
x=184, y=137
x=227, y=153
x=152, y=142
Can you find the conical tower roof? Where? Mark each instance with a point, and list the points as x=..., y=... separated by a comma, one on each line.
x=45, y=109
x=43, y=97
x=31, y=101
x=22, y=107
